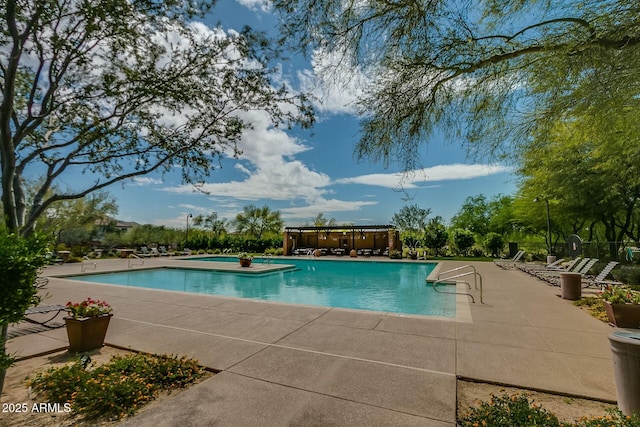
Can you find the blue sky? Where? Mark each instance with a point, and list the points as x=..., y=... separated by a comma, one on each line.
x=303, y=173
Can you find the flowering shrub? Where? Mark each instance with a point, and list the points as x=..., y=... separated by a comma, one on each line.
x=244, y=255
x=88, y=308
x=507, y=410
x=518, y=411
x=620, y=295
x=118, y=388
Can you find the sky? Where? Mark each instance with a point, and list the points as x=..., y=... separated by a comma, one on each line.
x=302, y=173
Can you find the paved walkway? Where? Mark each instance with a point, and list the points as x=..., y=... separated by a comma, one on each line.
x=284, y=364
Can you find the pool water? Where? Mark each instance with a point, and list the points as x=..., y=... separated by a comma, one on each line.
x=368, y=285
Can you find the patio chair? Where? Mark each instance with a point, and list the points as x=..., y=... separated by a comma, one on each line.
x=45, y=309
x=530, y=268
x=600, y=279
x=509, y=262
x=163, y=251
x=583, y=268
x=145, y=252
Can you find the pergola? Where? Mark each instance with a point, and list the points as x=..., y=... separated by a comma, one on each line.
x=343, y=237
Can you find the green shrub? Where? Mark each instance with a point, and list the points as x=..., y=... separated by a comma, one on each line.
x=494, y=242
x=515, y=410
x=518, y=411
x=463, y=240
x=217, y=251
x=117, y=388
x=395, y=254
x=614, y=418
x=627, y=274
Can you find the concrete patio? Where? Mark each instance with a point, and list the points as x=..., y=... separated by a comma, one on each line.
x=284, y=364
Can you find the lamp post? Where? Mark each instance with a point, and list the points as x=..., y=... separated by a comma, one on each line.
x=537, y=199
x=186, y=239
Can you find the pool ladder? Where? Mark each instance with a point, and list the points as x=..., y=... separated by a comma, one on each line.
x=446, y=277
x=134, y=258
x=87, y=264
x=267, y=258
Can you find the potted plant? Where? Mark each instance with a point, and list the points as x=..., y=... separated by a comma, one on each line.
x=245, y=259
x=87, y=324
x=622, y=306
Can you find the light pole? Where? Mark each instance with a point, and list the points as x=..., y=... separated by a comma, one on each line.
x=537, y=199
x=186, y=239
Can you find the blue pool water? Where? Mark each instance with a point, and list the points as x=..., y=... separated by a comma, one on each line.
x=368, y=285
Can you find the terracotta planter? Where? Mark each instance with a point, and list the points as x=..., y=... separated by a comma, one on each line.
x=87, y=333
x=353, y=253
x=245, y=262
x=623, y=315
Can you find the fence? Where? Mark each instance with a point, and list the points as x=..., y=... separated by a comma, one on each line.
x=604, y=251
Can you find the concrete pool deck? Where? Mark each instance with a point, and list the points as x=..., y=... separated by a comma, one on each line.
x=285, y=364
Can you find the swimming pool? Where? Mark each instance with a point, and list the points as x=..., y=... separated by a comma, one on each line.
x=367, y=285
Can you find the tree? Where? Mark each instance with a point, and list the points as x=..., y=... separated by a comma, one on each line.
x=470, y=67
x=121, y=89
x=411, y=219
x=321, y=221
x=473, y=215
x=69, y=216
x=436, y=235
x=463, y=240
x=218, y=226
x=588, y=173
x=255, y=221
x=494, y=242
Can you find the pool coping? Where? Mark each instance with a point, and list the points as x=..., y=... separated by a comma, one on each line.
x=462, y=311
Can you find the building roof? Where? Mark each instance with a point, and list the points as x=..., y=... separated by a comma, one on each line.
x=327, y=228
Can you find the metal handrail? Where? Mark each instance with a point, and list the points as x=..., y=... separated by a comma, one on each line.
x=444, y=280
x=132, y=258
x=475, y=272
x=82, y=264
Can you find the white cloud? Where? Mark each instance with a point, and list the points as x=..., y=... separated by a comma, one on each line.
x=333, y=81
x=414, y=179
x=325, y=206
x=144, y=180
x=256, y=5
x=271, y=170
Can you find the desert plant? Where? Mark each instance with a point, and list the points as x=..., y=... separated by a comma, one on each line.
x=117, y=388
x=506, y=410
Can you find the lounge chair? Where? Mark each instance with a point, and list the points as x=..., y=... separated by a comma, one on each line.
x=162, y=250
x=576, y=267
x=45, y=309
x=583, y=268
x=531, y=268
x=600, y=279
x=509, y=262
x=145, y=252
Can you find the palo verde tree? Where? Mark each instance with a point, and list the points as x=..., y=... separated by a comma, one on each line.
x=412, y=221
x=467, y=66
x=115, y=90
x=217, y=226
x=255, y=222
